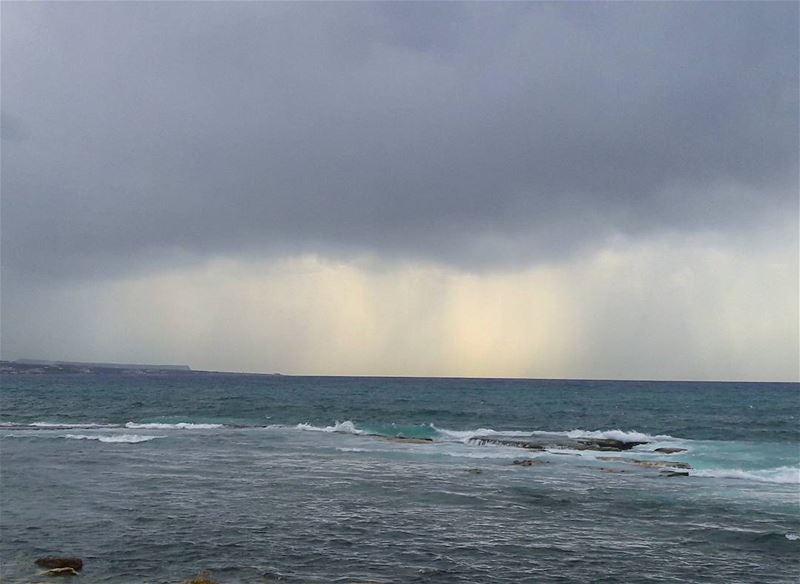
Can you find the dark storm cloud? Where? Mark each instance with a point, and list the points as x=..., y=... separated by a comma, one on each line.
x=474, y=134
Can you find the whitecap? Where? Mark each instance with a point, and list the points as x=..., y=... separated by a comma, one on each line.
x=346, y=427
x=178, y=426
x=68, y=425
x=466, y=435
x=122, y=438
x=621, y=435
x=786, y=475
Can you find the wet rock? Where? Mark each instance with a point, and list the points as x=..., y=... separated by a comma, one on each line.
x=669, y=450
x=475, y=471
x=481, y=441
x=563, y=443
x=606, y=444
x=60, y=572
x=56, y=562
x=527, y=462
x=661, y=463
x=405, y=440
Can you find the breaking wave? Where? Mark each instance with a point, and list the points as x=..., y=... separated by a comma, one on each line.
x=466, y=435
x=55, y=425
x=177, y=426
x=621, y=435
x=346, y=427
x=785, y=475
x=118, y=438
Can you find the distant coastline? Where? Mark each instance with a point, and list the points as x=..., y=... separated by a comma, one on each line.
x=49, y=367
x=43, y=366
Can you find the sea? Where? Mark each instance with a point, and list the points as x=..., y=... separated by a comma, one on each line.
x=257, y=478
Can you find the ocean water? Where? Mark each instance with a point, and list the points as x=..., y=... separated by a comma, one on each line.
x=292, y=479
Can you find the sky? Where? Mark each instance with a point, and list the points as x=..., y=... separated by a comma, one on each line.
x=573, y=190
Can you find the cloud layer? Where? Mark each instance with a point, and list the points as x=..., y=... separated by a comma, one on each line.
x=524, y=189
x=470, y=134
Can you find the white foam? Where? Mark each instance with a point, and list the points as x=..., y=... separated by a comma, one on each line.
x=466, y=435
x=178, y=426
x=67, y=425
x=123, y=438
x=621, y=435
x=786, y=475
x=346, y=427
x=792, y=536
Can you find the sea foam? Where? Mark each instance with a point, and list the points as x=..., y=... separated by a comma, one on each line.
x=621, y=435
x=117, y=438
x=466, y=435
x=68, y=425
x=178, y=426
x=346, y=427
x=786, y=475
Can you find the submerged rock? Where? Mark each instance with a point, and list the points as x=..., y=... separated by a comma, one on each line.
x=647, y=463
x=407, y=440
x=56, y=562
x=669, y=450
x=475, y=471
x=202, y=578
x=527, y=462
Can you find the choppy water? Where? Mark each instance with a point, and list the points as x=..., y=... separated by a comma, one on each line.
x=260, y=479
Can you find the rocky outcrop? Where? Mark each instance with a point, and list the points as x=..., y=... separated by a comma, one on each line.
x=500, y=441
x=541, y=444
x=58, y=562
x=669, y=450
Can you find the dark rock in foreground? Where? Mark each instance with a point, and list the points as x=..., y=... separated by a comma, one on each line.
x=669, y=450
x=541, y=444
x=56, y=562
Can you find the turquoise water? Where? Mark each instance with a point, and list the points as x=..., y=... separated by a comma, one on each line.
x=291, y=479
